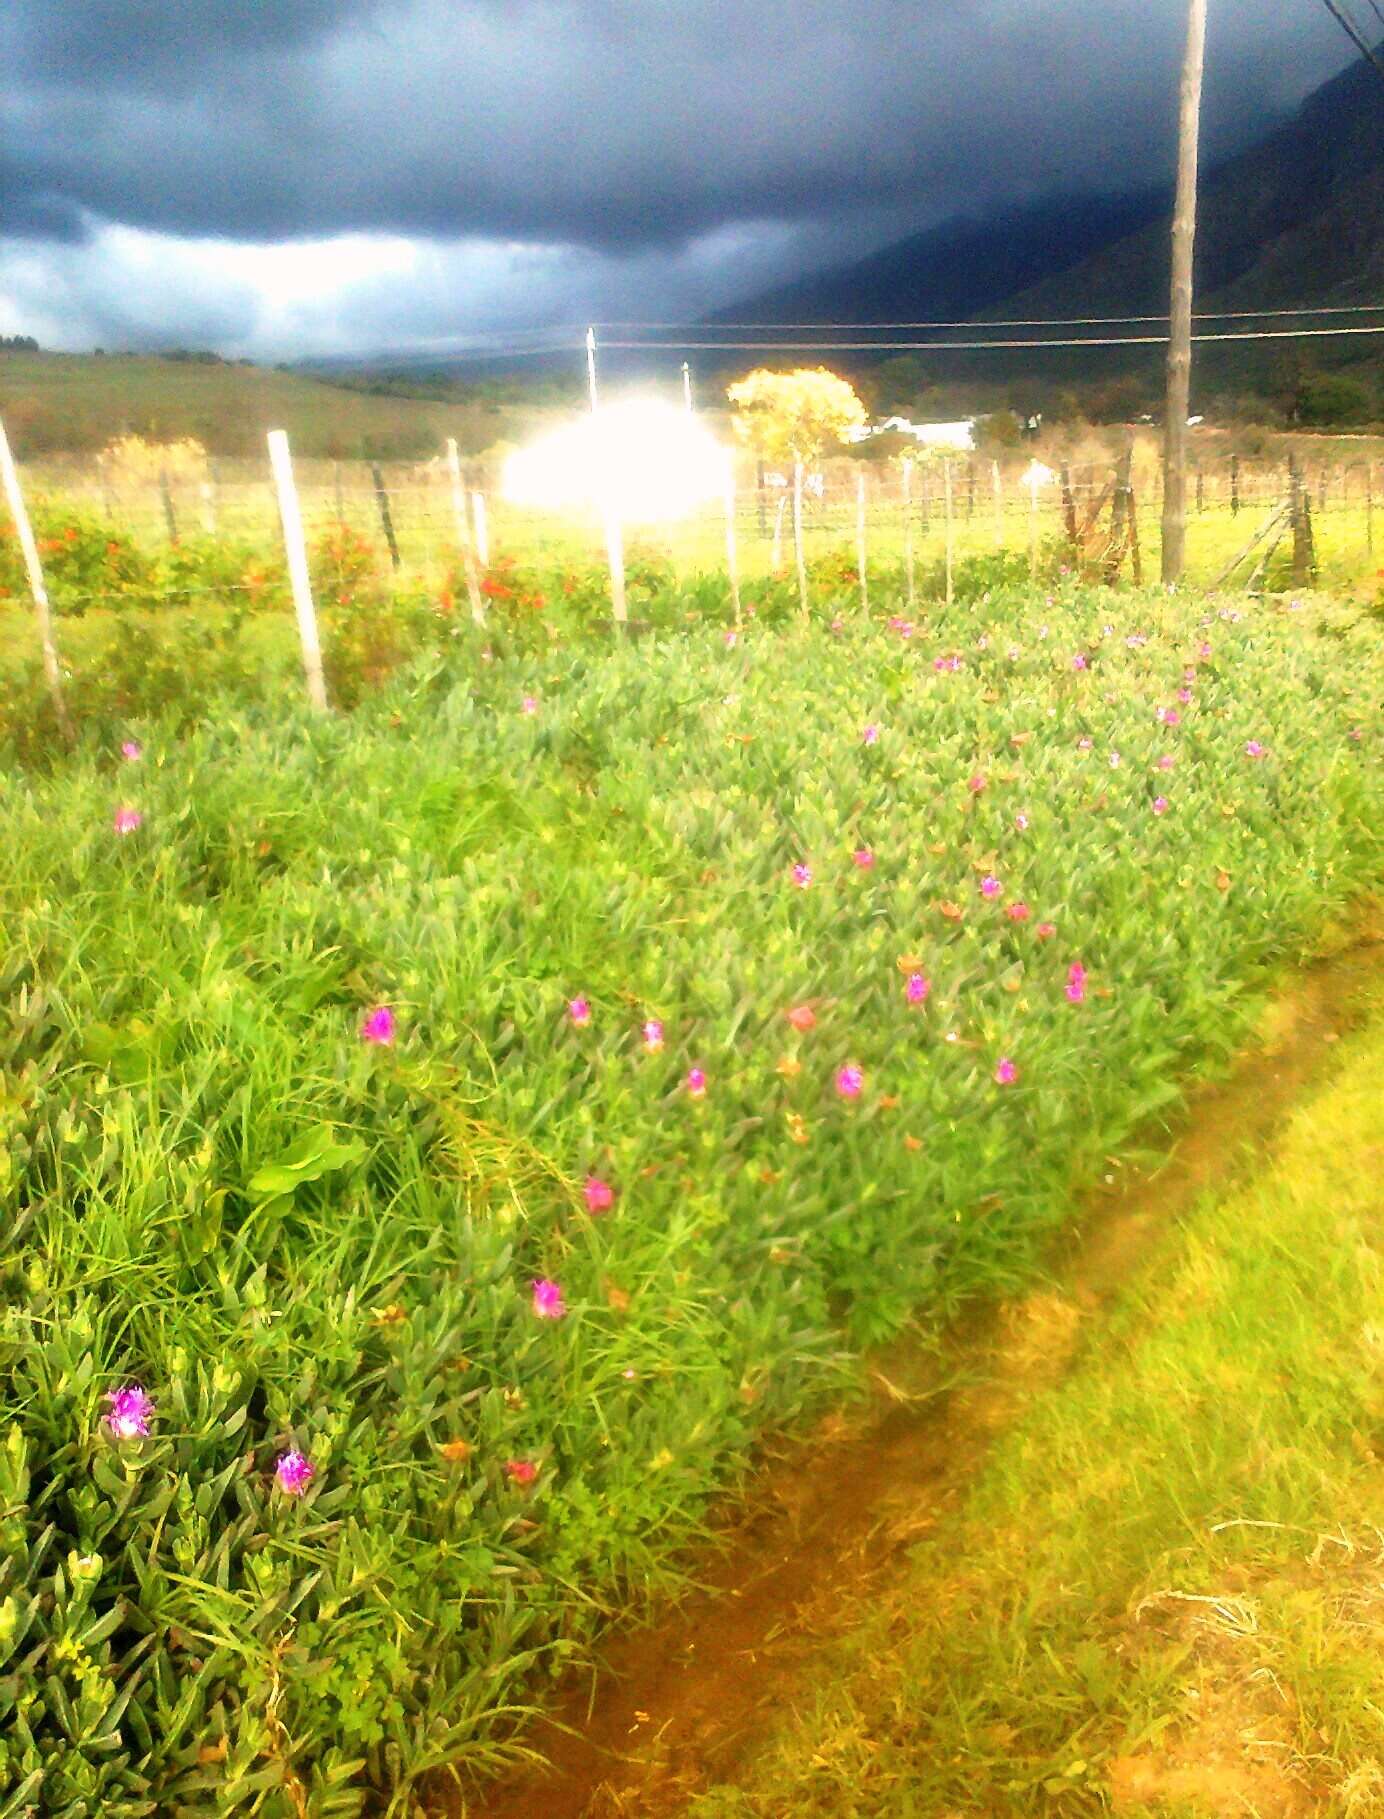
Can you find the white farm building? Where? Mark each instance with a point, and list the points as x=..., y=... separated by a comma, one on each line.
x=927, y=435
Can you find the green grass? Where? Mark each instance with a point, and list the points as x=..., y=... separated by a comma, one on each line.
x=211, y=1186
x=1164, y=1590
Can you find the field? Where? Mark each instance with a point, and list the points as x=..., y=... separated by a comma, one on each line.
x=459, y=1130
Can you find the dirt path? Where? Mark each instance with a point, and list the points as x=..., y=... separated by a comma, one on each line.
x=678, y=1701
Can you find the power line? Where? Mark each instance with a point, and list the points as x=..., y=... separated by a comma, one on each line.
x=1222, y=315
x=938, y=347
x=1357, y=38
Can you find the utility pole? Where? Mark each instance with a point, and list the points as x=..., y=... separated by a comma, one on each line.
x=1180, y=324
x=591, y=364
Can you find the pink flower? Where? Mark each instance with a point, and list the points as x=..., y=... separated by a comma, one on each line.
x=1205, y=651
x=653, y=1036
x=1045, y=931
x=838, y=625
x=730, y=641
x=871, y=734
x=521, y=1471
x=127, y=820
x=528, y=705
x=1184, y=695
x=132, y=749
x=863, y=857
x=696, y=1082
x=131, y=1409
x=1021, y=822
x=1079, y=661
x=600, y=1195
x=1018, y=912
x=1169, y=716
x=916, y=988
x=977, y=784
x=378, y=1026
x=1076, y=982
x=547, y=1300
x=1084, y=745
x=849, y=1081
x=802, y=1017
x=1354, y=735
x=294, y=1472
x=1254, y=749
x=1165, y=763
x=1160, y=805
x=1006, y=1073
x=990, y=885
x=802, y=875
x=579, y=1010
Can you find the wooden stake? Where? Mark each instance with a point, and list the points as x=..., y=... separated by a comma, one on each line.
x=386, y=518
x=483, y=530
x=615, y=554
x=165, y=493
x=860, y=542
x=43, y=615
x=463, y=530
x=1068, y=507
x=208, y=491
x=947, y=502
x=1234, y=486
x=798, y=534
x=291, y=518
x=776, y=548
x=1369, y=506
x=1180, y=325
x=732, y=560
x=908, y=532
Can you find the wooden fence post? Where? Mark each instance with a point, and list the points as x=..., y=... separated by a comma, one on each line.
x=1369, y=506
x=386, y=517
x=463, y=530
x=970, y=490
x=732, y=558
x=340, y=502
x=860, y=541
x=908, y=531
x=295, y=548
x=998, y=484
x=1068, y=508
x=52, y=671
x=615, y=555
x=1234, y=486
x=1201, y=490
x=760, y=503
x=798, y=535
x=947, y=502
x=776, y=548
x=483, y=531
x=165, y=493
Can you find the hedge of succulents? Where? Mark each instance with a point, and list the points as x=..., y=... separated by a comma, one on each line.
x=437, y=1142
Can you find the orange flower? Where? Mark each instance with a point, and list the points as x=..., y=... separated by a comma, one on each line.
x=456, y=1452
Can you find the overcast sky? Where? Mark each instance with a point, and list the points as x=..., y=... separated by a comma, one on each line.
x=283, y=178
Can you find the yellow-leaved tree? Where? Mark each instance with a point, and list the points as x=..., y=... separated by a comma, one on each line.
x=795, y=417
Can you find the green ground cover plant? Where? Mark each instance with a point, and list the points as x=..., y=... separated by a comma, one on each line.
x=1163, y=1594
x=438, y=1141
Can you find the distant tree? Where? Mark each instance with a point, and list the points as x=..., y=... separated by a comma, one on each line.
x=795, y=417
x=1330, y=400
x=18, y=344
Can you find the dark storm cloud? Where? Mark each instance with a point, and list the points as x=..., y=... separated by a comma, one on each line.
x=608, y=124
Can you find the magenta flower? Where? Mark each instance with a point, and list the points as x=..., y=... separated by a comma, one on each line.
x=1045, y=931
x=871, y=734
x=1254, y=749
x=130, y=1412
x=520, y=1471
x=916, y=988
x=579, y=1010
x=849, y=1081
x=547, y=1300
x=977, y=784
x=132, y=750
x=1160, y=805
x=1079, y=661
x=1076, y=982
x=696, y=1082
x=802, y=875
x=1021, y=822
x=378, y=1026
x=1205, y=651
x=127, y=820
x=653, y=1036
x=294, y=1472
x=1165, y=763
x=1006, y=1073
x=1184, y=695
x=863, y=857
x=1018, y=912
x=528, y=705
x=600, y=1197
x=990, y=885
x=1169, y=716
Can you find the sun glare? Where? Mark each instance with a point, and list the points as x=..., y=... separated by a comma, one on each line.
x=642, y=461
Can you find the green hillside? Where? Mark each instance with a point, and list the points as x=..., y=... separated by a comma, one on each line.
x=61, y=403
